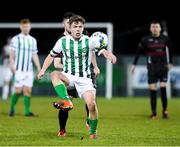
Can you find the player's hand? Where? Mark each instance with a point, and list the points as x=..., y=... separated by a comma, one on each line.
x=12, y=67
x=111, y=57
x=133, y=69
x=169, y=66
x=96, y=71
x=40, y=75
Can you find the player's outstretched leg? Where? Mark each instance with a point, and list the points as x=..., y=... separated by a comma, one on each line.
x=57, y=80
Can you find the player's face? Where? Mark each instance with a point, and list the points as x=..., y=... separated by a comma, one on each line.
x=155, y=29
x=76, y=29
x=66, y=25
x=25, y=28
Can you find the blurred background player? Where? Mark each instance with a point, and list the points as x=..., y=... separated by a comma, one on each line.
x=159, y=61
x=23, y=50
x=73, y=74
x=7, y=73
x=63, y=115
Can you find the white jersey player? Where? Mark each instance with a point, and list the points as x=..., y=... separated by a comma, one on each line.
x=23, y=51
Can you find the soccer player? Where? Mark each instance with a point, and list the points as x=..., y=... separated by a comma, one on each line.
x=77, y=57
x=23, y=50
x=159, y=61
x=63, y=115
x=7, y=73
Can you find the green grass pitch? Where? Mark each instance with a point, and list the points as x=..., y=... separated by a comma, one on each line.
x=122, y=121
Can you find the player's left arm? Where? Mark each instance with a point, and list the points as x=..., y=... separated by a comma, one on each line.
x=108, y=55
x=35, y=56
x=36, y=61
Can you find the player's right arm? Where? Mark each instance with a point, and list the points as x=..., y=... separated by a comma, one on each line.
x=141, y=46
x=13, y=47
x=49, y=59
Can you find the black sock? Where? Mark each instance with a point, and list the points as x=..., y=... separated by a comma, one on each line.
x=153, y=101
x=63, y=116
x=87, y=111
x=164, y=98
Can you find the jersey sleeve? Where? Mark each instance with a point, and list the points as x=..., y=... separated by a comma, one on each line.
x=34, y=47
x=141, y=46
x=57, y=49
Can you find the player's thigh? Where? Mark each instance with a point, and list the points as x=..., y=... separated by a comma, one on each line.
x=27, y=90
x=18, y=80
x=28, y=80
x=152, y=76
x=84, y=85
x=18, y=90
x=68, y=79
x=163, y=77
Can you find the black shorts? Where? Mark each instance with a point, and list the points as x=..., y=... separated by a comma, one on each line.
x=157, y=73
x=72, y=92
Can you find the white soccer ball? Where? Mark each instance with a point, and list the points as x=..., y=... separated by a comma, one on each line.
x=99, y=40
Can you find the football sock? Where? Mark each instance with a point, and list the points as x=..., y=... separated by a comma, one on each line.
x=87, y=111
x=93, y=126
x=153, y=101
x=14, y=99
x=27, y=103
x=63, y=116
x=164, y=98
x=61, y=91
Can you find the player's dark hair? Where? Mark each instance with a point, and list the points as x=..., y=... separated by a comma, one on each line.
x=155, y=22
x=76, y=18
x=25, y=21
x=67, y=15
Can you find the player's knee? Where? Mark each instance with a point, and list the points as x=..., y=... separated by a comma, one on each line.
x=92, y=106
x=54, y=75
x=27, y=92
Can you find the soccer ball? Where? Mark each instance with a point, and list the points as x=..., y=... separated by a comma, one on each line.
x=99, y=40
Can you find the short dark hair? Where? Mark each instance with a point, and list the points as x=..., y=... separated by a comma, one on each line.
x=67, y=15
x=25, y=21
x=155, y=22
x=76, y=18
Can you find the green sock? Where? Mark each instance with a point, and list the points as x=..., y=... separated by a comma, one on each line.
x=93, y=126
x=14, y=99
x=61, y=91
x=27, y=102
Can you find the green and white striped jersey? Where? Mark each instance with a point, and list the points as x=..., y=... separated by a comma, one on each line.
x=77, y=55
x=24, y=46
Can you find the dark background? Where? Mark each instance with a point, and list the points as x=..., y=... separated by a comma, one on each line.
x=130, y=18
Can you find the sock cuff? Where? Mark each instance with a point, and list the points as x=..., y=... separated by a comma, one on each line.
x=25, y=96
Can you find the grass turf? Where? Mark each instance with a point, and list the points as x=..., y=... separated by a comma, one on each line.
x=122, y=121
